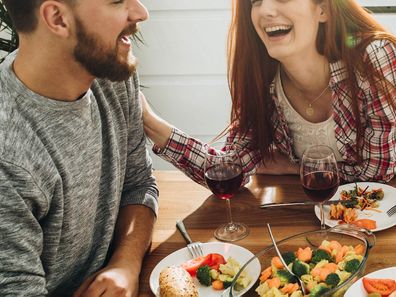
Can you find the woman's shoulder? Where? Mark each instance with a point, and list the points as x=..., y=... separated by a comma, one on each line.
x=381, y=51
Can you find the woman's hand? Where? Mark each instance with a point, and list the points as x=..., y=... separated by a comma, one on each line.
x=279, y=165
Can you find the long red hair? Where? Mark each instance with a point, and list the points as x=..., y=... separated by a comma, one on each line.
x=251, y=70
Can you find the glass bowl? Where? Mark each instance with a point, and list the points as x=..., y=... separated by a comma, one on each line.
x=345, y=234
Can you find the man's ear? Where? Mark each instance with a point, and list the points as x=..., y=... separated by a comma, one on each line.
x=57, y=16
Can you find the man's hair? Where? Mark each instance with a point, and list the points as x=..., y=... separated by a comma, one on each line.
x=23, y=13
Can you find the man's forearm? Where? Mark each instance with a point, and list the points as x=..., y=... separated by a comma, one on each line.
x=133, y=233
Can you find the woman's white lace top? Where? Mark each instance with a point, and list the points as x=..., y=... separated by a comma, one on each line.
x=303, y=132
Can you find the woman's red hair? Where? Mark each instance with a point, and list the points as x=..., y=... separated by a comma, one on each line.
x=251, y=70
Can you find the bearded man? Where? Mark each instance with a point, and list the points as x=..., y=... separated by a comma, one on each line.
x=77, y=197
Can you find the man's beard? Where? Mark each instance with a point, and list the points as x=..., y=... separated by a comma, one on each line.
x=100, y=60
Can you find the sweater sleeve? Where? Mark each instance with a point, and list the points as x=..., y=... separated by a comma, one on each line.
x=22, y=204
x=139, y=184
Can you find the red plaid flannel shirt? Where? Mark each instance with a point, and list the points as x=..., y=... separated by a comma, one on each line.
x=379, y=118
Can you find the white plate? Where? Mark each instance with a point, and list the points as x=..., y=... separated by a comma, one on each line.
x=357, y=288
x=382, y=219
x=240, y=254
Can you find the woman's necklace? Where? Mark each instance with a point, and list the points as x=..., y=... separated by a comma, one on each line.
x=309, y=111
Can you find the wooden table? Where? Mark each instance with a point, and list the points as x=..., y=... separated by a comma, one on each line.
x=180, y=198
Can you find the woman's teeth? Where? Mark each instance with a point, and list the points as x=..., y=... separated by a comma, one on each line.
x=278, y=30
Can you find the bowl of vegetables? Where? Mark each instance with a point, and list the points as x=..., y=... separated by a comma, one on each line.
x=327, y=261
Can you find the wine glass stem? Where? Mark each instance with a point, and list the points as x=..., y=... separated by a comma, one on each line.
x=322, y=217
x=231, y=226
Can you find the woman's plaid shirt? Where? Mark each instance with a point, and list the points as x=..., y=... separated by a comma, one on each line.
x=376, y=112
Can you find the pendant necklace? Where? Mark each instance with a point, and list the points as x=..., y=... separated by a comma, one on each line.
x=309, y=111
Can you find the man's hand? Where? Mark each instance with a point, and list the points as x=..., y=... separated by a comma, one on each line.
x=112, y=281
x=132, y=237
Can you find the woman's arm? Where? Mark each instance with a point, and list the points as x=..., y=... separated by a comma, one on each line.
x=158, y=130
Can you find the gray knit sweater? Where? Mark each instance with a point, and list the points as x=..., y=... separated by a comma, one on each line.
x=65, y=170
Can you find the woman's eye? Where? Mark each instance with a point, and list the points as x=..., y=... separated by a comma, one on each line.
x=255, y=1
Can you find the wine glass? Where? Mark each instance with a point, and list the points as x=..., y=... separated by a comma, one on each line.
x=319, y=175
x=224, y=176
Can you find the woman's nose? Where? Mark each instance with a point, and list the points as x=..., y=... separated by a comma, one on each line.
x=268, y=8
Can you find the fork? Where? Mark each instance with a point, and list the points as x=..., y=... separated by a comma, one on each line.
x=195, y=248
x=391, y=211
x=300, y=283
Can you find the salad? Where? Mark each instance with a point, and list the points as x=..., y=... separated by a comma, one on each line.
x=354, y=200
x=213, y=270
x=321, y=270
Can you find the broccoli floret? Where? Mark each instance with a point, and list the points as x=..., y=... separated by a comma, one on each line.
x=333, y=279
x=203, y=275
x=289, y=257
x=227, y=284
x=318, y=290
x=300, y=268
x=320, y=255
x=352, y=265
x=285, y=277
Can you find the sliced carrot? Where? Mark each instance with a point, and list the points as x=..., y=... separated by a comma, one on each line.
x=324, y=272
x=266, y=274
x=331, y=266
x=218, y=285
x=304, y=255
x=335, y=245
x=327, y=249
x=274, y=283
x=277, y=262
x=316, y=271
x=289, y=288
x=359, y=249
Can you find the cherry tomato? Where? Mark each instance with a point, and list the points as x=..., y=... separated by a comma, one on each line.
x=216, y=260
x=377, y=285
x=212, y=260
x=192, y=265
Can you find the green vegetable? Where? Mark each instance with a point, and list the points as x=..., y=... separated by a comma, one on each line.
x=300, y=268
x=377, y=195
x=318, y=290
x=285, y=277
x=352, y=265
x=227, y=284
x=333, y=279
x=289, y=257
x=320, y=255
x=203, y=275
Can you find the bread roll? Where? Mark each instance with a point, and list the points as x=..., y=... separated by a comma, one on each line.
x=174, y=281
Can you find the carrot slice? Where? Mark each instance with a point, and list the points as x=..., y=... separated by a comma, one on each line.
x=218, y=285
x=274, y=283
x=304, y=255
x=266, y=274
x=277, y=262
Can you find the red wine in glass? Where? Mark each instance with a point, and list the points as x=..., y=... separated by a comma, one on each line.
x=320, y=185
x=224, y=179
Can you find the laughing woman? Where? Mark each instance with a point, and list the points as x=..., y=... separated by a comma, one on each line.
x=301, y=72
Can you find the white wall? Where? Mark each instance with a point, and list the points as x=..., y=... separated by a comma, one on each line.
x=183, y=63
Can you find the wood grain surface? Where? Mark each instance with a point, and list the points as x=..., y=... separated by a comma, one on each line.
x=181, y=198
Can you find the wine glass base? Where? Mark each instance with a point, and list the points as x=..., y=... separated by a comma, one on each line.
x=231, y=232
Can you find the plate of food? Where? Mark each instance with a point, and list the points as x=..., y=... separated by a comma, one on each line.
x=363, y=204
x=381, y=281
x=221, y=261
